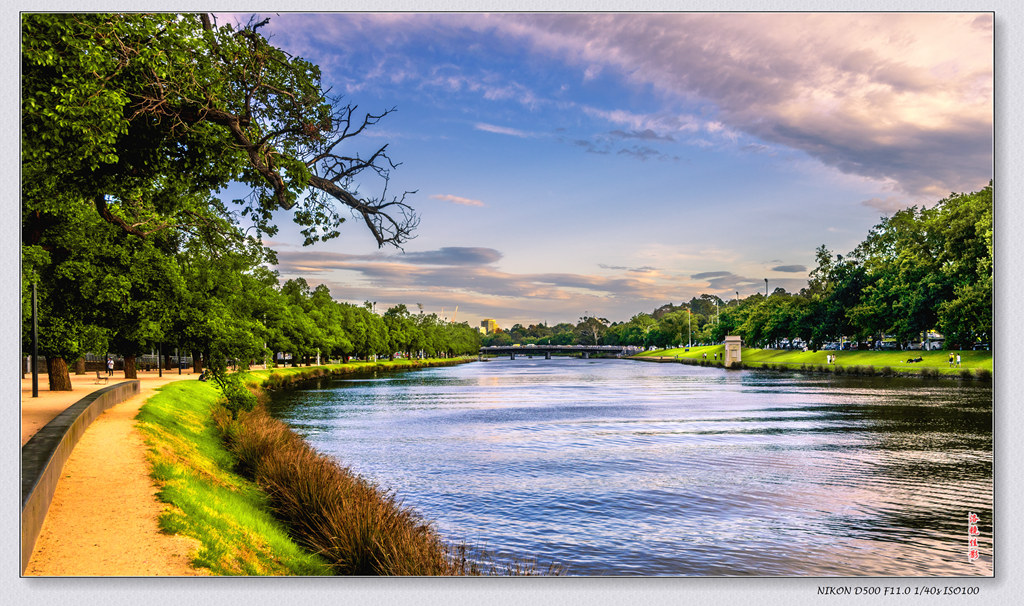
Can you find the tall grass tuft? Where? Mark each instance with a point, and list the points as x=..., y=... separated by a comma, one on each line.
x=358, y=528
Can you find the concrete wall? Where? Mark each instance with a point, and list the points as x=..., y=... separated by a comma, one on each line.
x=44, y=455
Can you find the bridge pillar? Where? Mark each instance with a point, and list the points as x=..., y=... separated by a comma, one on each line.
x=512, y=356
x=547, y=355
x=586, y=355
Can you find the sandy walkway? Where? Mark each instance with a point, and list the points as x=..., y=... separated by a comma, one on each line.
x=103, y=518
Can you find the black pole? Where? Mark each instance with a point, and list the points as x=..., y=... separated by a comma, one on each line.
x=35, y=343
x=160, y=358
x=177, y=359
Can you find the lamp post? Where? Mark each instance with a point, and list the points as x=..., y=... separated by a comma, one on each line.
x=766, y=288
x=35, y=343
x=689, y=332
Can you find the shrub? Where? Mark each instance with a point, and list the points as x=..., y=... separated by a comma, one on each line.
x=237, y=398
x=359, y=528
x=983, y=374
x=887, y=371
x=966, y=374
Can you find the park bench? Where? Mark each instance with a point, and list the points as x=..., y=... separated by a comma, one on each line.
x=101, y=378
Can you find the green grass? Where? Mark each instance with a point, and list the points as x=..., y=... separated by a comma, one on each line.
x=225, y=513
x=228, y=515
x=934, y=363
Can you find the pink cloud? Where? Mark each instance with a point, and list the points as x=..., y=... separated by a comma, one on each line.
x=457, y=200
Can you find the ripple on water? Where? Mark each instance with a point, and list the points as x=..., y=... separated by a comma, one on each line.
x=619, y=468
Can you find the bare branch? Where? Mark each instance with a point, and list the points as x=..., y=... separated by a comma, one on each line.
x=391, y=222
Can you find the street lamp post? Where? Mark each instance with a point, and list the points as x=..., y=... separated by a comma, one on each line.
x=766, y=288
x=35, y=343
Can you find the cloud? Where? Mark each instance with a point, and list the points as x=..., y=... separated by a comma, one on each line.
x=644, y=153
x=318, y=262
x=644, y=269
x=888, y=205
x=710, y=274
x=453, y=255
x=646, y=135
x=793, y=269
x=886, y=96
x=457, y=200
x=502, y=130
x=458, y=274
x=880, y=95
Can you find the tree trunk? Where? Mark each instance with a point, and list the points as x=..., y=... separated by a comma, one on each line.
x=197, y=363
x=80, y=366
x=129, y=367
x=57, y=371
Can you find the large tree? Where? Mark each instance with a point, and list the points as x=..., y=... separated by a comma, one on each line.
x=140, y=115
x=135, y=121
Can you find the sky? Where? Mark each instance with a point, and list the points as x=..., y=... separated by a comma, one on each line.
x=605, y=164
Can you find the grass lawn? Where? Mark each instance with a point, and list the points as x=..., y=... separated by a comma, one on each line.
x=896, y=360
x=206, y=500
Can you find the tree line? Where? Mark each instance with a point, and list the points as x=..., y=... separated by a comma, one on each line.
x=213, y=298
x=922, y=269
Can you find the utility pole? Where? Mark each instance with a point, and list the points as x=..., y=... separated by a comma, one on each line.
x=766, y=288
x=689, y=332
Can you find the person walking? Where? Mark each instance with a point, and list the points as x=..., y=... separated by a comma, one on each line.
x=951, y=359
x=110, y=367
x=958, y=360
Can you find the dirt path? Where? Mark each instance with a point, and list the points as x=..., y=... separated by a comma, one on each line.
x=103, y=517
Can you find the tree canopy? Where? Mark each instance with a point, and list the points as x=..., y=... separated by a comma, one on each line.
x=142, y=116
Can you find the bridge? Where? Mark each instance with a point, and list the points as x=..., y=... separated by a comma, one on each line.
x=583, y=351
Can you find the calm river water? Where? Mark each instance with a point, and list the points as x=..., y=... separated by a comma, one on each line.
x=613, y=467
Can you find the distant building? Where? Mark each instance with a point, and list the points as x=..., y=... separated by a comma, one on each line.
x=488, y=326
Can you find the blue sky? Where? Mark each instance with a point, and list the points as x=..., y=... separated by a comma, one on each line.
x=608, y=163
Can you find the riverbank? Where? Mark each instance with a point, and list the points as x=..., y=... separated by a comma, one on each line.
x=224, y=506
x=933, y=364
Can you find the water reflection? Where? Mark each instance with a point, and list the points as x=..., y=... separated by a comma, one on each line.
x=621, y=468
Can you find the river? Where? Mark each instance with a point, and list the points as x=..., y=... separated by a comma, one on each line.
x=621, y=468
